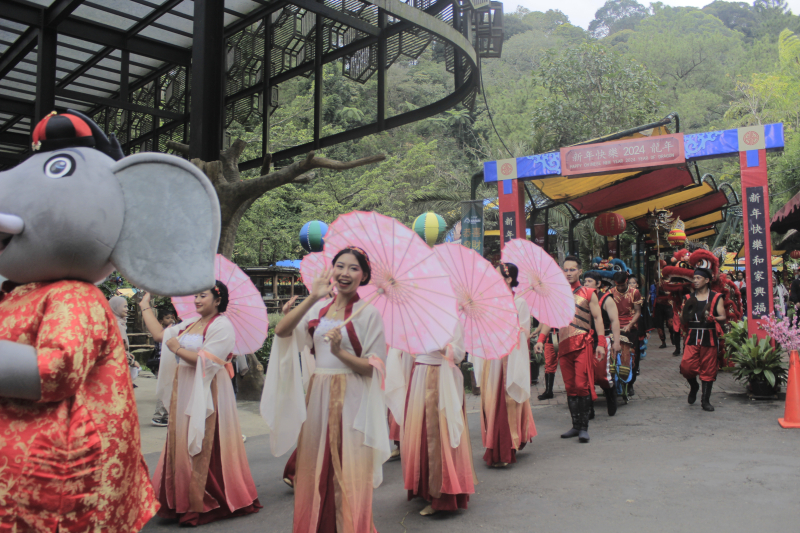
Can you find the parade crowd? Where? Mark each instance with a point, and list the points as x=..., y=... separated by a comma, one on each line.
x=346, y=377
x=337, y=421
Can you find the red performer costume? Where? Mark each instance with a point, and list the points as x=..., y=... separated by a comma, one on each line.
x=628, y=309
x=576, y=350
x=701, y=315
x=550, y=366
x=604, y=366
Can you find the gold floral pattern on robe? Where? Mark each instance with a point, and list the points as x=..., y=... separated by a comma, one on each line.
x=71, y=461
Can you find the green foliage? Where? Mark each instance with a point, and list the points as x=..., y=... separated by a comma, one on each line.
x=696, y=58
x=591, y=91
x=754, y=359
x=727, y=65
x=617, y=15
x=736, y=336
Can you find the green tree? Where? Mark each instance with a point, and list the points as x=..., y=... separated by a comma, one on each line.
x=737, y=16
x=617, y=15
x=696, y=58
x=592, y=91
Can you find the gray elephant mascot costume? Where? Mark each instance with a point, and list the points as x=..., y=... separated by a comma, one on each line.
x=70, y=453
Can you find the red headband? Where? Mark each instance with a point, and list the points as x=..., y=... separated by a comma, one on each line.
x=362, y=252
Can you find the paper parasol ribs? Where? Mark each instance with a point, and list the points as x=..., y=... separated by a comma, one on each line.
x=541, y=283
x=409, y=287
x=485, y=304
x=246, y=309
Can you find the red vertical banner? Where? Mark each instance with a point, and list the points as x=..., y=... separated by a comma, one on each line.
x=512, y=210
x=757, y=241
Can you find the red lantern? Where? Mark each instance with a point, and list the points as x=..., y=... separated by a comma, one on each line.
x=609, y=224
x=794, y=254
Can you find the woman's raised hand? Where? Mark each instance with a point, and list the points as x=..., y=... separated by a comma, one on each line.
x=145, y=301
x=288, y=305
x=322, y=286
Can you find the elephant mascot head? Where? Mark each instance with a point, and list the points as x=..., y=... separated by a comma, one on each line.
x=77, y=209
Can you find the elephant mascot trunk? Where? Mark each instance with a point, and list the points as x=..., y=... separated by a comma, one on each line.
x=70, y=453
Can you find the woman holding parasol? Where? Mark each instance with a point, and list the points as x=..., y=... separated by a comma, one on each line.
x=507, y=420
x=340, y=447
x=202, y=474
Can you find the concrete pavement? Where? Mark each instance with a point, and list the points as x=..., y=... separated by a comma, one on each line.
x=659, y=465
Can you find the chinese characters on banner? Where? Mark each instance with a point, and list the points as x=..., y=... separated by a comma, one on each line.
x=509, y=225
x=472, y=225
x=643, y=152
x=760, y=254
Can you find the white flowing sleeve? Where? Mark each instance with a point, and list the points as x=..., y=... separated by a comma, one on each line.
x=217, y=346
x=396, y=383
x=518, y=379
x=371, y=416
x=169, y=363
x=451, y=386
x=283, y=404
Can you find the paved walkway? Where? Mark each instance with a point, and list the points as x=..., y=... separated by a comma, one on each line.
x=658, y=378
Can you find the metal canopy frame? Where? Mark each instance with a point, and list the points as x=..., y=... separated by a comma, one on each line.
x=128, y=63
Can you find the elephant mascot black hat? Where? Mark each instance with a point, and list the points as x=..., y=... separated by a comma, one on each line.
x=70, y=214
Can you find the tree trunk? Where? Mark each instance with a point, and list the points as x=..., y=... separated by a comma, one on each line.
x=235, y=198
x=237, y=195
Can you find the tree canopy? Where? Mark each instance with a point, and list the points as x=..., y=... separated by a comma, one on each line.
x=722, y=66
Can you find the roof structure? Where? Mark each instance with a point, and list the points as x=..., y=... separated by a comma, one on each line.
x=788, y=217
x=153, y=71
x=698, y=201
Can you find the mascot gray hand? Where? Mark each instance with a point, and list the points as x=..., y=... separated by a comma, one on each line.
x=73, y=211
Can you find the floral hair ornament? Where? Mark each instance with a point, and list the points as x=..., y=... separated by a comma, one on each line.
x=505, y=270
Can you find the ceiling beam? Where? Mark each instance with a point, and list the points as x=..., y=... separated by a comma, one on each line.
x=86, y=30
x=18, y=139
x=110, y=102
x=59, y=11
x=9, y=104
x=18, y=50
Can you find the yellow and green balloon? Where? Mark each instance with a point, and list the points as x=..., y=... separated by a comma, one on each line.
x=429, y=226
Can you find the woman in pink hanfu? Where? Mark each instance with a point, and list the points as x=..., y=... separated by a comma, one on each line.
x=434, y=445
x=340, y=426
x=506, y=417
x=203, y=474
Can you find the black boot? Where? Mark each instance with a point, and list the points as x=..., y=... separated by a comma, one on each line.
x=693, y=388
x=549, y=379
x=663, y=338
x=573, y=403
x=585, y=403
x=705, y=400
x=611, y=400
x=677, y=351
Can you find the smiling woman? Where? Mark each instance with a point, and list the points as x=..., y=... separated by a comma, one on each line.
x=342, y=444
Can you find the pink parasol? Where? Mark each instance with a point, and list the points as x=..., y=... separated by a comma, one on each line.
x=409, y=287
x=246, y=309
x=312, y=266
x=485, y=305
x=541, y=283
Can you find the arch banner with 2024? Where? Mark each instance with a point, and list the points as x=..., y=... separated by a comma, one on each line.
x=647, y=153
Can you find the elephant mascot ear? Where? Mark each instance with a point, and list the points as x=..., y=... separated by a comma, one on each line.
x=171, y=225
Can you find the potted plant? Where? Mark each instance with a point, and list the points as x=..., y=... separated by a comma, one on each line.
x=759, y=362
